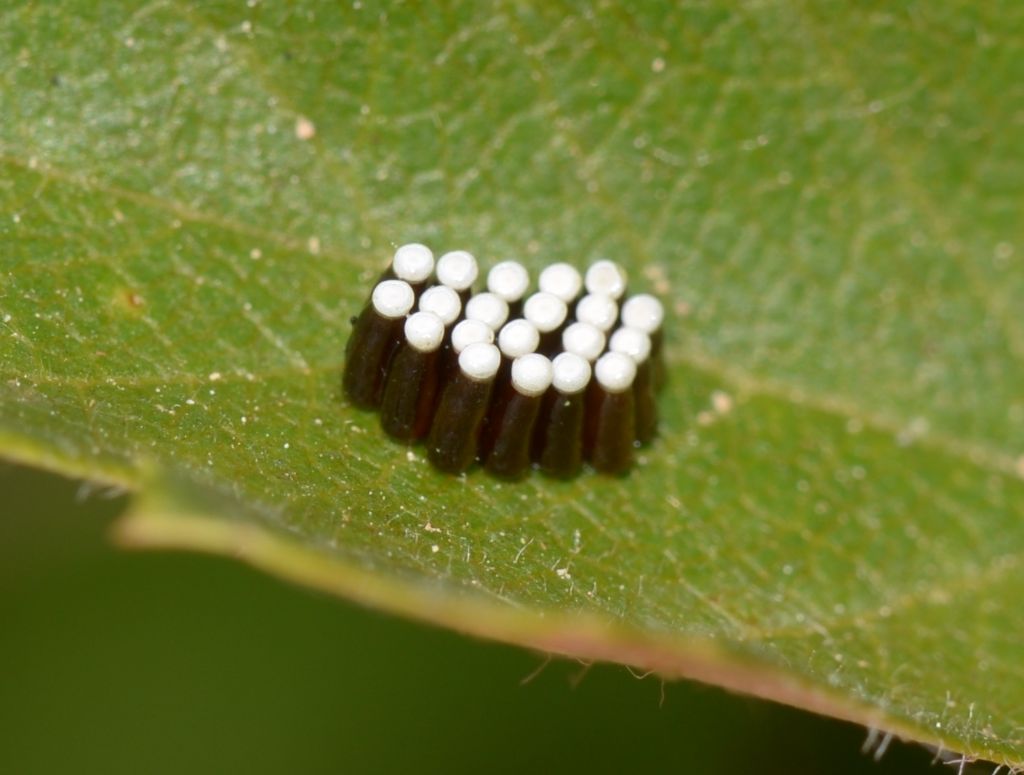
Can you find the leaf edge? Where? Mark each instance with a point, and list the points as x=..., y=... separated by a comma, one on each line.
x=156, y=521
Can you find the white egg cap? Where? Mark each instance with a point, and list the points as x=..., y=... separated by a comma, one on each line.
x=643, y=311
x=488, y=308
x=413, y=263
x=584, y=340
x=469, y=332
x=615, y=372
x=509, y=280
x=607, y=278
x=518, y=338
x=480, y=361
x=545, y=310
x=424, y=331
x=632, y=342
x=598, y=310
x=393, y=298
x=457, y=269
x=443, y=302
x=562, y=280
x=531, y=374
x=570, y=373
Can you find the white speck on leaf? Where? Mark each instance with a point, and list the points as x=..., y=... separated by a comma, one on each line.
x=721, y=402
x=304, y=128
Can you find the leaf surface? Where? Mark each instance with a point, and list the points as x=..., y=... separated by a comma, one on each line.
x=195, y=200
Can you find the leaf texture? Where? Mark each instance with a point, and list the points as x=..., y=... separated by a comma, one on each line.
x=196, y=198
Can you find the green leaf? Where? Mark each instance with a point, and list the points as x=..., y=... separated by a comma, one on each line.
x=196, y=198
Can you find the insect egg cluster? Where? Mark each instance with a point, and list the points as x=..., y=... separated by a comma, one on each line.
x=504, y=377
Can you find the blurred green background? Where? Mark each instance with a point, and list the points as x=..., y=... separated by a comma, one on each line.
x=121, y=662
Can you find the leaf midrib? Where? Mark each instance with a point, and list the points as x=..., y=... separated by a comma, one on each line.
x=744, y=382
